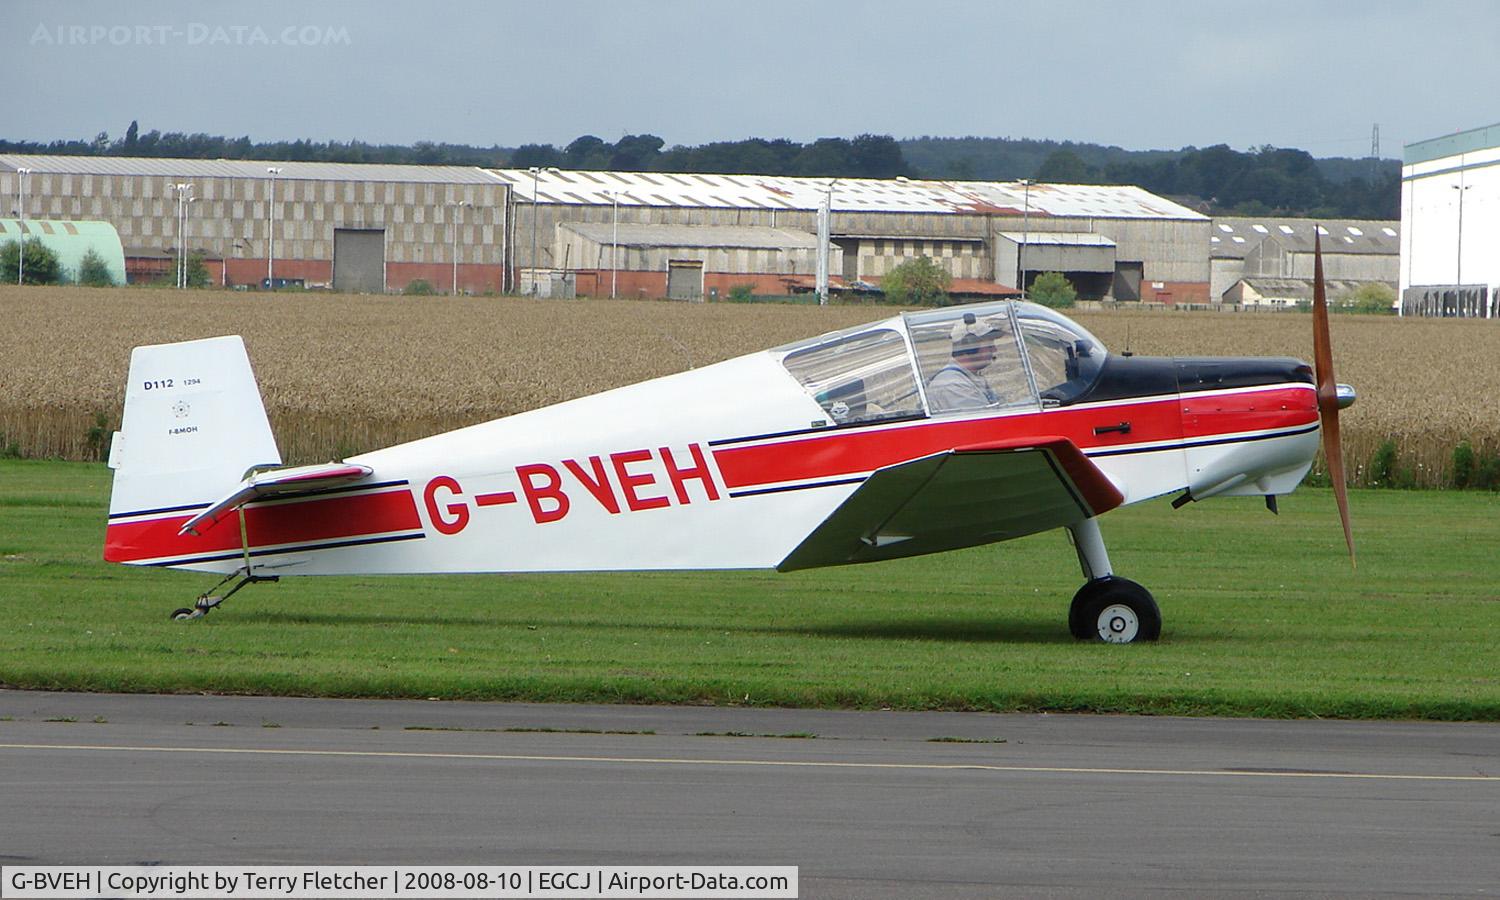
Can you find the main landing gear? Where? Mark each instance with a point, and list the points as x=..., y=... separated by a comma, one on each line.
x=207, y=602
x=1108, y=608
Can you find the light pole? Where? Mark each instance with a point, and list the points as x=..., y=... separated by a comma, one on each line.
x=456, y=207
x=187, y=208
x=825, y=227
x=614, y=243
x=536, y=174
x=1458, y=278
x=507, y=252
x=184, y=197
x=1025, y=235
x=179, y=189
x=272, y=171
x=21, y=174
x=187, y=203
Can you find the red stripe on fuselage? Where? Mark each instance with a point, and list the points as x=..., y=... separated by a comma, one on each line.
x=313, y=520
x=854, y=450
x=1208, y=415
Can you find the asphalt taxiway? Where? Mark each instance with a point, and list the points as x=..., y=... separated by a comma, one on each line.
x=866, y=804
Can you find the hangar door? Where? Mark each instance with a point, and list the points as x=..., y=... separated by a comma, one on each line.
x=685, y=279
x=1127, y=283
x=359, y=260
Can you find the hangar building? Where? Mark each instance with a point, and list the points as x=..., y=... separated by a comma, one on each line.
x=1115, y=242
x=71, y=241
x=1278, y=253
x=1450, y=221
x=350, y=226
x=375, y=227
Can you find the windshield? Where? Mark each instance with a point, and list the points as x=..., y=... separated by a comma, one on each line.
x=1065, y=358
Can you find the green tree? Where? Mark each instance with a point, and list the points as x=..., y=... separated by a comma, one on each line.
x=1371, y=297
x=876, y=156
x=41, y=263
x=917, y=282
x=539, y=155
x=1465, y=461
x=587, y=152
x=1066, y=167
x=635, y=152
x=960, y=169
x=824, y=157
x=197, y=272
x=1052, y=289
x=94, y=271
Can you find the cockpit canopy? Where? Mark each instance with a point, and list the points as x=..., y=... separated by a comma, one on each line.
x=1011, y=355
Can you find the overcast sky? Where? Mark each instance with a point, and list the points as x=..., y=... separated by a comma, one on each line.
x=1140, y=74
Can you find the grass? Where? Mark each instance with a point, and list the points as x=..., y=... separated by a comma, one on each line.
x=1263, y=618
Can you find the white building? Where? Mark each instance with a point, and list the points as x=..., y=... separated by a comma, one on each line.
x=1450, y=223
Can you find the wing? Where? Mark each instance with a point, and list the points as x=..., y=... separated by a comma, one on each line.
x=269, y=484
x=960, y=498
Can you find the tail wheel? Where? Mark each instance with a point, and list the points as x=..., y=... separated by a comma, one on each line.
x=1114, y=610
x=180, y=614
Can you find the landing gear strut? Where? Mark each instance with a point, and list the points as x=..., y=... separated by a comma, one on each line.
x=1108, y=608
x=207, y=601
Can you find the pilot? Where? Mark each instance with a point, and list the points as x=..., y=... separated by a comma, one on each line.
x=959, y=385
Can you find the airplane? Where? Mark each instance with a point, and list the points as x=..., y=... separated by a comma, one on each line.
x=922, y=432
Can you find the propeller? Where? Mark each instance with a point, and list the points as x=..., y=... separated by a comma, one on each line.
x=1331, y=396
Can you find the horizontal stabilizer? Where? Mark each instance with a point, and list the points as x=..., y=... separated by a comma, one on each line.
x=277, y=482
x=960, y=498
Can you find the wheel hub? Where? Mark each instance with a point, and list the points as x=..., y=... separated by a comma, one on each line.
x=1118, y=624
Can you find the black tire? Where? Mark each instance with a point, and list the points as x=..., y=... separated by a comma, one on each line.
x=1079, y=623
x=180, y=614
x=1114, y=610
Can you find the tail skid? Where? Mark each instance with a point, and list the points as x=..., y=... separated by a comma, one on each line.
x=208, y=601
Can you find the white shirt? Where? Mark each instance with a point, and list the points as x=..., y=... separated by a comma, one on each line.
x=955, y=388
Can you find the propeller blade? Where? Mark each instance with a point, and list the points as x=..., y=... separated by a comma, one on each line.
x=1328, y=398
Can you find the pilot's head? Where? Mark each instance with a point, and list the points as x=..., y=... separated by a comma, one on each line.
x=974, y=342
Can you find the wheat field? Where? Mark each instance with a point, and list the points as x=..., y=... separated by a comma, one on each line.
x=345, y=373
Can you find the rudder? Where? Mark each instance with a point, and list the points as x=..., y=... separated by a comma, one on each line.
x=194, y=423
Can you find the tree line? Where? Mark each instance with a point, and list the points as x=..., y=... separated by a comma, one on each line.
x=1214, y=180
x=865, y=156
x=1266, y=181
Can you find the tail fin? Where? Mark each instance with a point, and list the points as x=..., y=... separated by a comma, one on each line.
x=193, y=424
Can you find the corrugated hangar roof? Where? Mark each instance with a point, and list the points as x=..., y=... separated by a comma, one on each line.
x=747, y=236
x=1300, y=288
x=1234, y=238
x=1058, y=238
x=145, y=167
x=898, y=195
